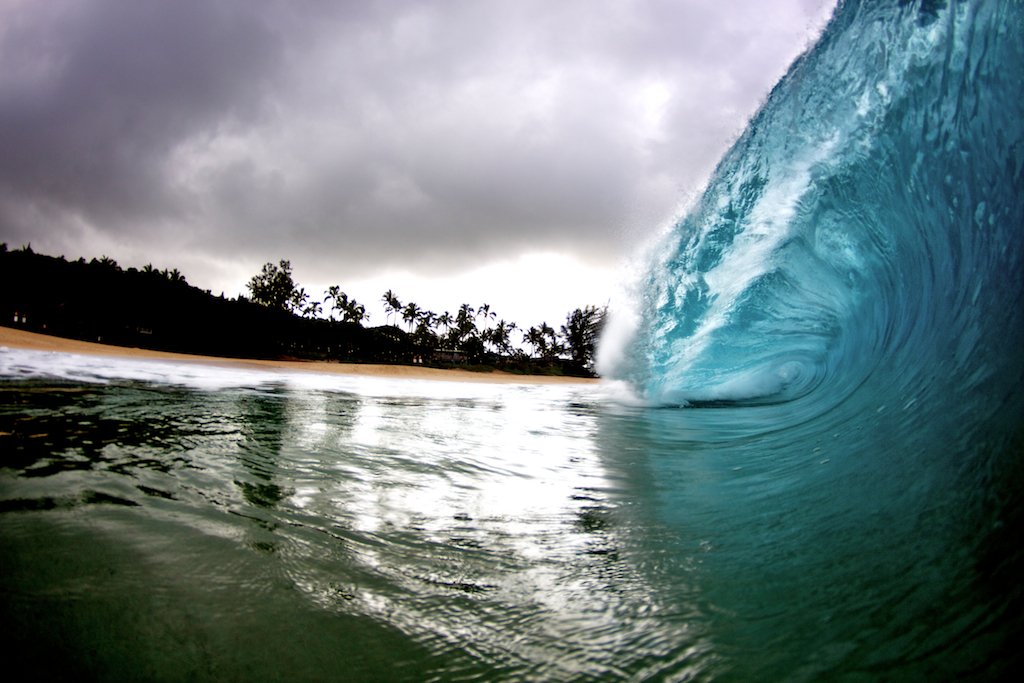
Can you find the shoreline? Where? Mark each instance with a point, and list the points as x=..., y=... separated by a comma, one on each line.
x=22, y=339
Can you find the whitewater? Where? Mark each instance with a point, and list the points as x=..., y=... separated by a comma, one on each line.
x=806, y=463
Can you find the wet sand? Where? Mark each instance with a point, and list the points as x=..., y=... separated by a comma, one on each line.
x=14, y=338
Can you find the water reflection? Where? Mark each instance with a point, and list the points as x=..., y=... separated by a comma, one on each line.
x=262, y=419
x=483, y=525
x=480, y=522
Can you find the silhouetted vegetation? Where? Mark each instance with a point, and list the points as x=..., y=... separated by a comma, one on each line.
x=157, y=309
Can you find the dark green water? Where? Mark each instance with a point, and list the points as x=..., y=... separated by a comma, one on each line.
x=169, y=533
x=315, y=528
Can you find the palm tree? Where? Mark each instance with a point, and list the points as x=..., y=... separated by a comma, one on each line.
x=410, y=314
x=351, y=310
x=485, y=312
x=535, y=338
x=391, y=303
x=428, y=319
x=464, y=324
x=446, y=320
x=554, y=346
x=499, y=336
x=355, y=312
x=544, y=341
x=332, y=295
x=298, y=300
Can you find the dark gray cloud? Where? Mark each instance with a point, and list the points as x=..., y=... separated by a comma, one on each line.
x=97, y=95
x=354, y=136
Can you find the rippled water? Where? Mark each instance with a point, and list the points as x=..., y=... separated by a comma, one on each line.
x=302, y=527
x=313, y=526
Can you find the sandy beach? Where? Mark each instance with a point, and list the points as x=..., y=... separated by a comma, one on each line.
x=14, y=338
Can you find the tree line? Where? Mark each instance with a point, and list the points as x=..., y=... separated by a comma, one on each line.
x=98, y=300
x=475, y=334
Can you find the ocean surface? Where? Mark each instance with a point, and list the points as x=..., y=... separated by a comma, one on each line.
x=807, y=463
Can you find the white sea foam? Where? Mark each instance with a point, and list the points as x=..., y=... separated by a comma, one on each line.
x=93, y=369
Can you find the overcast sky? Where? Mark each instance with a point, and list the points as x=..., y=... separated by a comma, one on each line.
x=508, y=152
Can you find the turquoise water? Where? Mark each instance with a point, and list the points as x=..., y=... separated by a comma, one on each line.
x=808, y=466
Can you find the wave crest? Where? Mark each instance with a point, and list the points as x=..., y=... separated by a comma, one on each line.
x=849, y=233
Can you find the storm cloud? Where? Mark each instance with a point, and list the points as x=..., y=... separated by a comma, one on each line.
x=351, y=137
